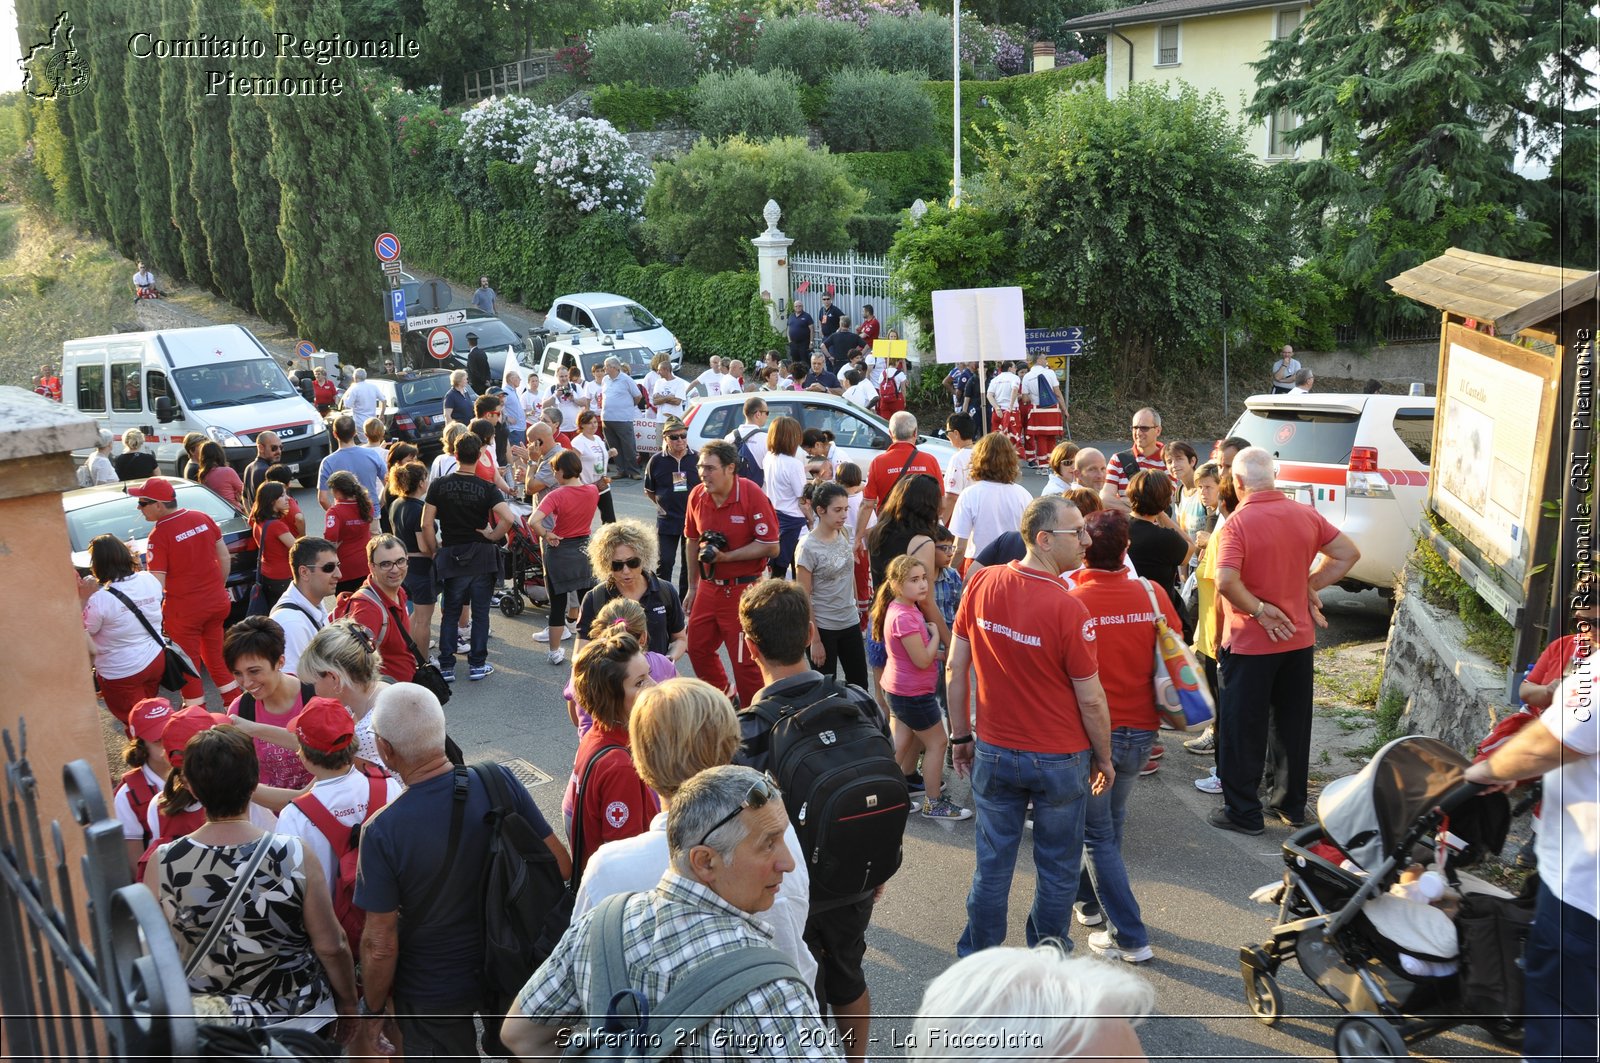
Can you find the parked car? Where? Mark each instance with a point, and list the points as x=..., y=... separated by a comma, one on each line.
x=616, y=316
x=413, y=407
x=494, y=336
x=587, y=350
x=860, y=435
x=93, y=511
x=1362, y=460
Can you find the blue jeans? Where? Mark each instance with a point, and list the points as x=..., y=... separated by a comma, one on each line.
x=1105, y=877
x=1003, y=782
x=477, y=590
x=1560, y=961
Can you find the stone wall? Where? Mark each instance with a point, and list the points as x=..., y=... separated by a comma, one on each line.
x=1451, y=693
x=664, y=143
x=1399, y=364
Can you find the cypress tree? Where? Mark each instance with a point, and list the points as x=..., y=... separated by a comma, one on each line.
x=152, y=179
x=330, y=158
x=79, y=110
x=254, y=185
x=109, y=145
x=52, y=122
x=178, y=83
x=211, y=170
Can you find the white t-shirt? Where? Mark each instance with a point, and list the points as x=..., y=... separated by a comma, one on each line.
x=122, y=805
x=1298, y=390
x=362, y=401
x=124, y=646
x=1055, y=485
x=1003, y=390
x=757, y=441
x=861, y=394
x=731, y=384
x=985, y=510
x=346, y=798
x=678, y=388
x=710, y=383
x=444, y=464
x=1568, y=845
x=633, y=865
x=259, y=816
x=569, y=407
x=1032, y=387
x=957, y=474
x=785, y=476
x=1282, y=375
x=594, y=453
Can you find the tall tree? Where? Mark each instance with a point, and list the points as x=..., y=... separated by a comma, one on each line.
x=42, y=39
x=331, y=159
x=178, y=85
x=1423, y=108
x=152, y=178
x=108, y=144
x=211, y=170
x=254, y=186
x=80, y=109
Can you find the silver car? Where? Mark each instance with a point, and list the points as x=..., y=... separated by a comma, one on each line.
x=860, y=435
x=613, y=314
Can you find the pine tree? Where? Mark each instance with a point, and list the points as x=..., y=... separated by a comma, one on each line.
x=177, y=140
x=211, y=169
x=79, y=108
x=255, y=187
x=329, y=155
x=108, y=145
x=152, y=178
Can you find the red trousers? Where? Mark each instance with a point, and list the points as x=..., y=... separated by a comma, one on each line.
x=714, y=624
x=199, y=632
x=863, y=575
x=1044, y=430
x=121, y=695
x=1010, y=422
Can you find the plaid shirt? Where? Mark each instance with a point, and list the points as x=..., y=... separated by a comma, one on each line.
x=947, y=593
x=666, y=932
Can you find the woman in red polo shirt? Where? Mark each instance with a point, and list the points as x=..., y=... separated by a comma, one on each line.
x=269, y=523
x=348, y=527
x=1123, y=612
x=564, y=518
x=615, y=803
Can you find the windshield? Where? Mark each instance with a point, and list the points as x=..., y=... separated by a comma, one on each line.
x=119, y=515
x=491, y=332
x=1322, y=437
x=629, y=317
x=635, y=360
x=233, y=384
x=427, y=389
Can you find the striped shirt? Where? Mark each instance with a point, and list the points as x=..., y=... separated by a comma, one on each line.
x=1117, y=476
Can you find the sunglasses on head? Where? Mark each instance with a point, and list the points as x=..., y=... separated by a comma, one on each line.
x=632, y=562
x=761, y=791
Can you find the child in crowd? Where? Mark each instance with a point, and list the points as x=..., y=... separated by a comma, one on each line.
x=821, y=453
x=848, y=476
x=146, y=776
x=622, y=614
x=280, y=474
x=911, y=676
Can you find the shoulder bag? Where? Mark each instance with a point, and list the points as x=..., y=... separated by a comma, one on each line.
x=428, y=675
x=176, y=669
x=1182, y=698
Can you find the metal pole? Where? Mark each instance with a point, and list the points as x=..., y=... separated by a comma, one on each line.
x=955, y=23
x=1226, y=406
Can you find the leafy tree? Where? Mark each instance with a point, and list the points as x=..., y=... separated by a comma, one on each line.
x=970, y=247
x=810, y=46
x=210, y=172
x=331, y=160
x=49, y=123
x=657, y=57
x=79, y=107
x=705, y=206
x=873, y=110
x=178, y=86
x=152, y=178
x=1421, y=106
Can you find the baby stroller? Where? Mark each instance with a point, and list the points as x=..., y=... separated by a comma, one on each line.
x=1400, y=967
x=521, y=567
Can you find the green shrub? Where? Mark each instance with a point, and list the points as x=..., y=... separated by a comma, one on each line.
x=634, y=108
x=810, y=46
x=749, y=104
x=916, y=44
x=872, y=233
x=814, y=104
x=1487, y=631
x=1007, y=94
x=711, y=313
x=705, y=206
x=874, y=110
x=893, y=180
x=659, y=57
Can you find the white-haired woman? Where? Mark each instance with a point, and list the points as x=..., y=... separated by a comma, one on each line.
x=97, y=468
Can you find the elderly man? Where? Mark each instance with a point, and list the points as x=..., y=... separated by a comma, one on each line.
x=1043, y=726
x=1304, y=381
x=802, y=332
x=725, y=831
x=542, y=448
x=709, y=383
x=269, y=451
x=820, y=379
x=902, y=459
x=619, y=403
x=516, y=416
x=1147, y=452
x=421, y=885
x=362, y=398
x=669, y=393
x=314, y=565
x=1269, y=612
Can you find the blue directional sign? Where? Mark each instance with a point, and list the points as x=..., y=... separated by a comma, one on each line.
x=1056, y=342
x=397, y=305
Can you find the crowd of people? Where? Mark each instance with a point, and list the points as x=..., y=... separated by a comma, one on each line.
x=986, y=633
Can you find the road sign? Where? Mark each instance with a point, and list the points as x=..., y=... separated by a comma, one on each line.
x=1056, y=342
x=305, y=349
x=392, y=269
x=386, y=247
x=395, y=337
x=440, y=343
x=433, y=296
x=428, y=321
x=397, y=306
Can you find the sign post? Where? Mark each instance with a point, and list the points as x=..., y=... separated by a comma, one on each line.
x=387, y=247
x=440, y=343
x=423, y=322
x=305, y=349
x=1060, y=346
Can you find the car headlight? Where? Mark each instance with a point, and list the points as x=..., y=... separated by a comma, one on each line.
x=225, y=437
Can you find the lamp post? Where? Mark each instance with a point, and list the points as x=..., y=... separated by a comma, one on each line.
x=955, y=24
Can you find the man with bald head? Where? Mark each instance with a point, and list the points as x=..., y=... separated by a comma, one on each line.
x=1090, y=465
x=269, y=451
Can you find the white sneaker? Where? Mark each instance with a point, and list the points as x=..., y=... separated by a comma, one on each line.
x=1101, y=943
x=557, y=656
x=544, y=636
x=1210, y=784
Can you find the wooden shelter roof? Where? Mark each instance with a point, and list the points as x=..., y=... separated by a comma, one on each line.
x=1513, y=295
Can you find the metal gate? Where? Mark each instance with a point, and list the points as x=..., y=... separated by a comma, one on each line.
x=854, y=280
x=120, y=994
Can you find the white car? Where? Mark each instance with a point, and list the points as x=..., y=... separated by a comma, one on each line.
x=614, y=315
x=860, y=435
x=1362, y=460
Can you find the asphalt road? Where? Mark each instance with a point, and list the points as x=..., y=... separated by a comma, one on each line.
x=1193, y=882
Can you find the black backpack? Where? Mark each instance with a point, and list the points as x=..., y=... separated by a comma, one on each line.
x=749, y=467
x=830, y=753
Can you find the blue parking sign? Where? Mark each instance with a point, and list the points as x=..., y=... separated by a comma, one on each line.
x=397, y=305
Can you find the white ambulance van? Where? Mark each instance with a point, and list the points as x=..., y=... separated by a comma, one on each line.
x=217, y=380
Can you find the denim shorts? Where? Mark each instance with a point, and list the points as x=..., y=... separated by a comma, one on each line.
x=877, y=653
x=917, y=711
x=420, y=585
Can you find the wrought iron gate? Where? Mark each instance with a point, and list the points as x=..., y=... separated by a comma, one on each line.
x=118, y=994
x=853, y=279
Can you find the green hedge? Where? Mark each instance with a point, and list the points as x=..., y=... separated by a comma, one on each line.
x=872, y=233
x=896, y=179
x=814, y=103
x=1009, y=94
x=710, y=313
x=636, y=108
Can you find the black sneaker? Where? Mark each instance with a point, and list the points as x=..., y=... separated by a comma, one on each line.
x=1220, y=819
x=915, y=784
x=1287, y=820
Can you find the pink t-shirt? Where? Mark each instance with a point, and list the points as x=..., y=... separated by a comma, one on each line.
x=900, y=676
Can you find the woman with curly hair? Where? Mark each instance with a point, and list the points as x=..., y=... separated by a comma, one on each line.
x=993, y=501
x=623, y=558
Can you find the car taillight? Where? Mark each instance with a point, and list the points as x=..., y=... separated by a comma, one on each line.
x=1362, y=479
x=1363, y=459
x=403, y=422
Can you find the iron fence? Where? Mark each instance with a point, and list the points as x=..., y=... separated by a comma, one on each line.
x=853, y=279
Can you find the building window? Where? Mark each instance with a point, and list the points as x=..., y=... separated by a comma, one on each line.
x=1167, y=45
x=1283, y=121
x=1288, y=23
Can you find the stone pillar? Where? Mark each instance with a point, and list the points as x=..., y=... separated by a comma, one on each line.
x=772, y=262
x=1044, y=55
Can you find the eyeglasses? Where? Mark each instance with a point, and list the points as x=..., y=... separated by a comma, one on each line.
x=678, y=438
x=1144, y=427
x=390, y=566
x=632, y=562
x=1082, y=533
x=330, y=566
x=945, y=548
x=761, y=791
x=146, y=502
x=274, y=450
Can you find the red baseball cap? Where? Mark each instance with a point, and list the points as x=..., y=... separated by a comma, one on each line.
x=324, y=726
x=149, y=719
x=183, y=726
x=156, y=489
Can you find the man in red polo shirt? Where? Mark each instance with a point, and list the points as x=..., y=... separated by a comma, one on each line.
x=1043, y=725
x=727, y=503
x=902, y=459
x=190, y=558
x=1147, y=453
x=379, y=605
x=1267, y=592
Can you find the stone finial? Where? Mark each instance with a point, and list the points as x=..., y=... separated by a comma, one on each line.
x=918, y=209
x=772, y=212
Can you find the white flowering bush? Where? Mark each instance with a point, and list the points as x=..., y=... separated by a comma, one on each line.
x=587, y=163
x=500, y=127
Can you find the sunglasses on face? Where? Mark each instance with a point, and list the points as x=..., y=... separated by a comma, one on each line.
x=761, y=791
x=679, y=438
x=329, y=566
x=146, y=502
x=632, y=562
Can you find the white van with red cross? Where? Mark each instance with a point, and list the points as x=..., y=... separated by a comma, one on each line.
x=1362, y=460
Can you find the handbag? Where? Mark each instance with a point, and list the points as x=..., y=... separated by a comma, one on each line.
x=1182, y=697
x=176, y=669
x=428, y=675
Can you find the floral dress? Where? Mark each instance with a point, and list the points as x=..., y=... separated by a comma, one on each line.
x=263, y=964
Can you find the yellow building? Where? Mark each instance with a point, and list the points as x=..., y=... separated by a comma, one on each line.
x=1209, y=44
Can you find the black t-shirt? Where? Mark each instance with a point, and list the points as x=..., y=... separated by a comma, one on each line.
x=658, y=478
x=405, y=522
x=1156, y=553
x=135, y=465
x=1007, y=546
x=465, y=505
x=828, y=320
x=191, y=471
x=825, y=378
x=663, y=611
x=839, y=345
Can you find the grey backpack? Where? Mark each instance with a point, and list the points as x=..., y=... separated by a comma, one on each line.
x=622, y=1026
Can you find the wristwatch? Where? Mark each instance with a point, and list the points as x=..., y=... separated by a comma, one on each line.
x=963, y=740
